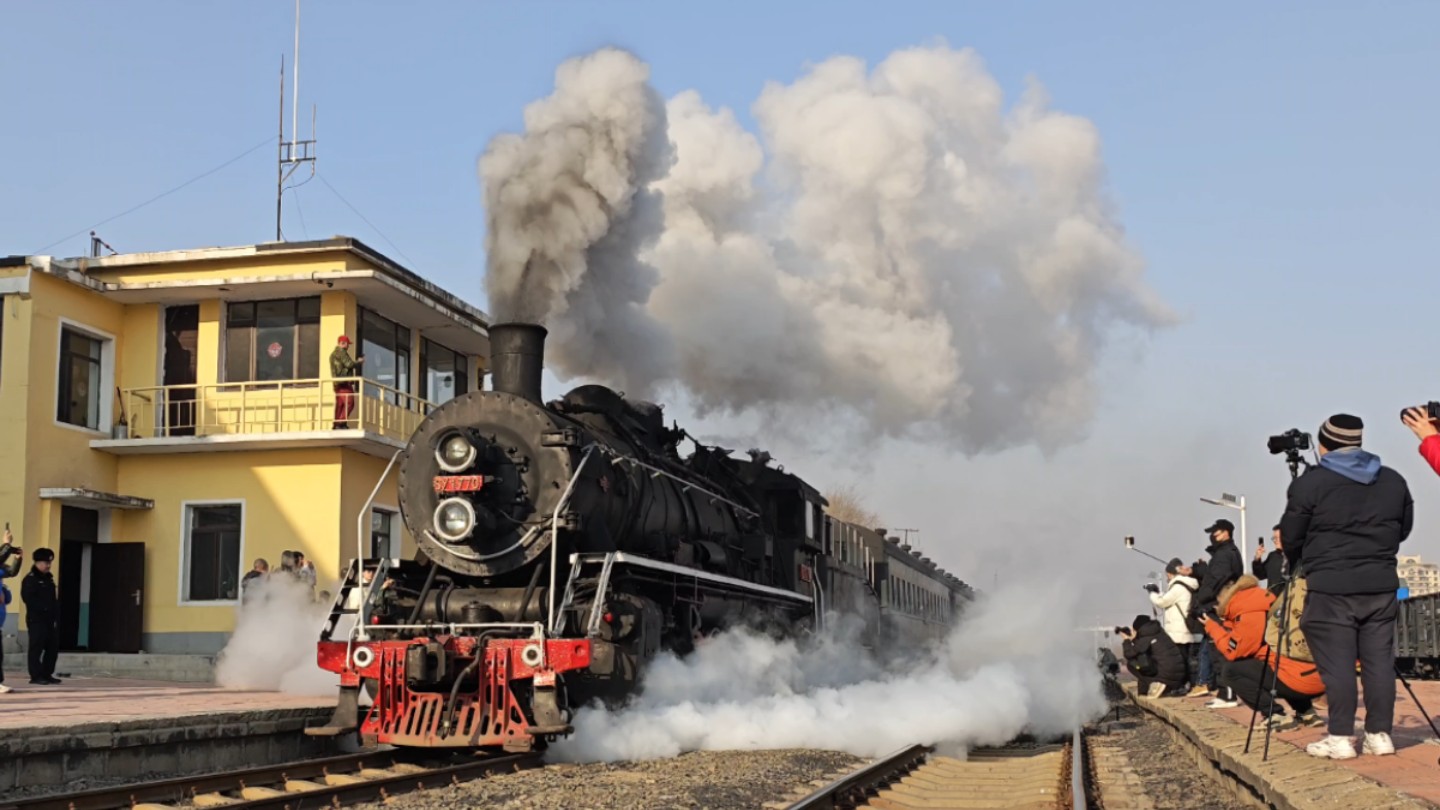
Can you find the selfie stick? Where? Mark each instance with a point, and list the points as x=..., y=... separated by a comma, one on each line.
x=1130, y=544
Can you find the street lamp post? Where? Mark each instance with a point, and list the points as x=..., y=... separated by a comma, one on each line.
x=1232, y=502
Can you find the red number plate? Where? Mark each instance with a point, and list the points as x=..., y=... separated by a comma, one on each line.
x=458, y=483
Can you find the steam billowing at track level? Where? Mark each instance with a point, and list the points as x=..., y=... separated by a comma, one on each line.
x=919, y=261
x=1008, y=668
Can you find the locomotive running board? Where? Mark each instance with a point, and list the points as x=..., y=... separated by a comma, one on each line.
x=607, y=563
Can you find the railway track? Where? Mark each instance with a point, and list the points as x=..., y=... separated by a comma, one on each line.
x=1044, y=776
x=330, y=781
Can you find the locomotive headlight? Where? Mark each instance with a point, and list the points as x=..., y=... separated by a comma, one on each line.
x=455, y=453
x=454, y=519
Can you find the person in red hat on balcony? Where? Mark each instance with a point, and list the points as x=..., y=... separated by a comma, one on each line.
x=343, y=370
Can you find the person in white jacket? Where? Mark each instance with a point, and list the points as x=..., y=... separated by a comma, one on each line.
x=1174, y=602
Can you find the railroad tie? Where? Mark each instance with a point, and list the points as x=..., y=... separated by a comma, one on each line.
x=1011, y=779
x=343, y=779
x=254, y=793
x=302, y=786
x=212, y=800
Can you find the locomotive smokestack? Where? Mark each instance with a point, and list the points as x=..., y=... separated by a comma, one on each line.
x=517, y=356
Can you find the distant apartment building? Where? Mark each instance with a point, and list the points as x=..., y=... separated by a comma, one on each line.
x=169, y=418
x=1419, y=576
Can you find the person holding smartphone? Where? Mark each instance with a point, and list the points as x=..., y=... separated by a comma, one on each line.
x=1270, y=569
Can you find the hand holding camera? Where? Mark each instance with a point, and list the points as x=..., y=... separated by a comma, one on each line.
x=1151, y=587
x=1421, y=421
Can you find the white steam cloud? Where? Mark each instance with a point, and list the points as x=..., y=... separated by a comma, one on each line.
x=1014, y=665
x=893, y=246
x=273, y=646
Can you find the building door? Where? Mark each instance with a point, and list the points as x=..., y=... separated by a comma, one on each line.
x=182, y=328
x=117, y=597
x=79, y=534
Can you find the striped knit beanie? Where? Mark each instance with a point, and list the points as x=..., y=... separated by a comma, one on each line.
x=1341, y=430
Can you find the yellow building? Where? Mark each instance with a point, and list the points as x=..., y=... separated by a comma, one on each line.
x=169, y=417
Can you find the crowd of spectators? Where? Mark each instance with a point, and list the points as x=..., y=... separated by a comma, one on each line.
x=1319, y=604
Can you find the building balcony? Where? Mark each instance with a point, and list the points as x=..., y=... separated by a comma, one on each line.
x=270, y=415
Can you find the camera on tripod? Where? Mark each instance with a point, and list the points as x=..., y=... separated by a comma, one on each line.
x=1293, y=441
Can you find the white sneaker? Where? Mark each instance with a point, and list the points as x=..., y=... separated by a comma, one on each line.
x=1332, y=747
x=1378, y=744
x=6, y=690
x=1221, y=703
x=1156, y=690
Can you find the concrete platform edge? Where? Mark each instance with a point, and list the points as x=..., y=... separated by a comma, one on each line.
x=1289, y=780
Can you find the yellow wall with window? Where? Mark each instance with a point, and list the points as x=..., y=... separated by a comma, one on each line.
x=306, y=499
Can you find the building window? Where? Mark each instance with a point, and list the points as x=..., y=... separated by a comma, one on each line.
x=383, y=543
x=444, y=373
x=212, y=552
x=385, y=345
x=272, y=340
x=80, y=387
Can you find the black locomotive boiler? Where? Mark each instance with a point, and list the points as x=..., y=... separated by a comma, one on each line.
x=562, y=545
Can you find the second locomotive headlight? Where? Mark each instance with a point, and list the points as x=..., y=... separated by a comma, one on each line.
x=454, y=519
x=454, y=453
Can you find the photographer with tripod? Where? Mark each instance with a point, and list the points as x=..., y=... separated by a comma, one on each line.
x=1343, y=524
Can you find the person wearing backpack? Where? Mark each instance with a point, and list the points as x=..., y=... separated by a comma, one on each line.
x=1240, y=636
x=1174, y=604
x=1343, y=525
x=1153, y=658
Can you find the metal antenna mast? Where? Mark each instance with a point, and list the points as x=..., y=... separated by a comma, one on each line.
x=907, y=532
x=295, y=152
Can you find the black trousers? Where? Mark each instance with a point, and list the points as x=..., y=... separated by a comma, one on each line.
x=1341, y=629
x=44, y=648
x=1247, y=677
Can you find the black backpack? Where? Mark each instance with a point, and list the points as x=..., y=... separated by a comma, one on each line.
x=1192, y=622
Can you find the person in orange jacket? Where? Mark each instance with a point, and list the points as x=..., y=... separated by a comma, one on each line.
x=1239, y=635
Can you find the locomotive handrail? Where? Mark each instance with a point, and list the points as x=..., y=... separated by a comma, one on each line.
x=555, y=534
x=616, y=458
x=365, y=590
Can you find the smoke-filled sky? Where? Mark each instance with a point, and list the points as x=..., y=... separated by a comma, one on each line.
x=1250, y=192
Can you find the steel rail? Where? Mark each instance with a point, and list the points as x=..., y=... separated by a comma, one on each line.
x=1077, y=770
x=181, y=790
x=855, y=787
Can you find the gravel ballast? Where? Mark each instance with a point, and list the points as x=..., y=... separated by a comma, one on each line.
x=712, y=780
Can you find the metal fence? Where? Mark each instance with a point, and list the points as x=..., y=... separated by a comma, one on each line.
x=272, y=406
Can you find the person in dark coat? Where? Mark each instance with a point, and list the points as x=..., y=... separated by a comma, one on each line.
x=1153, y=658
x=1343, y=525
x=1225, y=567
x=42, y=618
x=1270, y=568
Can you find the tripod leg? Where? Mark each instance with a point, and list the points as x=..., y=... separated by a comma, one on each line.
x=1415, y=698
x=1275, y=681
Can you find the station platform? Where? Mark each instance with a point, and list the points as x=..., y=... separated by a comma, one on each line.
x=104, y=728
x=1293, y=779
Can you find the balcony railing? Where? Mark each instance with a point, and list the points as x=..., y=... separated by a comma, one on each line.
x=272, y=406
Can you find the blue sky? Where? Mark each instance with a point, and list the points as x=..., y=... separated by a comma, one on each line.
x=1274, y=165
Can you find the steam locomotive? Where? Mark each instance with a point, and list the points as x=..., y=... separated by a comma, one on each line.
x=563, y=545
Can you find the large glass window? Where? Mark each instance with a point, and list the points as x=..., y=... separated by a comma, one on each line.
x=273, y=340
x=444, y=373
x=212, y=553
x=79, y=397
x=385, y=345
